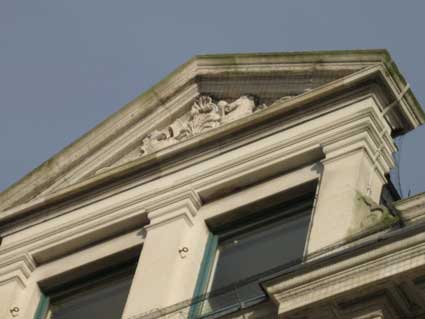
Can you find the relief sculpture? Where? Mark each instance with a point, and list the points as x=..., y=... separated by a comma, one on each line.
x=205, y=114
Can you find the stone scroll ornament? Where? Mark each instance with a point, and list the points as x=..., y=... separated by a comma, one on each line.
x=205, y=114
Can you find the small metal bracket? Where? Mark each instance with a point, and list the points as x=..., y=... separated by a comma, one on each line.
x=183, y=252
x=14, y=311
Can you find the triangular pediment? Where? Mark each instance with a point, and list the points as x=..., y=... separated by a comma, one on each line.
x=204, y=94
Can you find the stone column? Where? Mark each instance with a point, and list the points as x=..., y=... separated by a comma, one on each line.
x=353, y=174
x=171, y=256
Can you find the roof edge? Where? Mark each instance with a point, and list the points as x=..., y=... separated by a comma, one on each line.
x=41, y=177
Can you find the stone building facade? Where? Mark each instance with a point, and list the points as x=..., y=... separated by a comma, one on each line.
x=240, y=186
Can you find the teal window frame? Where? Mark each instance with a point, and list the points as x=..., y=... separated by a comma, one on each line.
x=200, y=293
x=204, y=275
x=45, y=302
x=43, y=307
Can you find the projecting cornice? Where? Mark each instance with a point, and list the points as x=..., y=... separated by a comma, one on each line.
x=285, y=83
x=375, y=264
x=412, y=209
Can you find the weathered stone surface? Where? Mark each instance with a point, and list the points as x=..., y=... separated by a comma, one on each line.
x=268, y=76
x=205, y=114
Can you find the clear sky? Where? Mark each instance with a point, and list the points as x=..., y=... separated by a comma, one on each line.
x=66, y=65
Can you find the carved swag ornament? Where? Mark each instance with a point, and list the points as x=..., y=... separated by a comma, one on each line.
x=205, y=114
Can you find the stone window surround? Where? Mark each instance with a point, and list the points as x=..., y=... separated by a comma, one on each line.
x=100, y=257
x=32, y=278
x=293, y=183
x=305, y=192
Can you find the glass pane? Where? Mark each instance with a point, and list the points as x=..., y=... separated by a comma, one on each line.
x=251, y=253
x=106, y=301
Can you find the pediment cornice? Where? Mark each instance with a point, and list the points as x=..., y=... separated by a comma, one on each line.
x=283, y=82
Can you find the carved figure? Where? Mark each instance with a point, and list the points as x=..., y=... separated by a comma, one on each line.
x=204, y=115
x=155, y=141
x=242, y=107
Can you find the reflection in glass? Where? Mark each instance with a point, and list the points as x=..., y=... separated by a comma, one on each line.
x=104, y=299
x=251, y=250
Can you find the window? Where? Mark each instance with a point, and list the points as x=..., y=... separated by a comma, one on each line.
x=238, y=257
x=101, y=295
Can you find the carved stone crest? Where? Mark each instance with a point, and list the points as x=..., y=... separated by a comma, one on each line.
x=205, y=114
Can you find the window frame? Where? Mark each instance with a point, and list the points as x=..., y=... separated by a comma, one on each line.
x=240, y=226
x=113, y=267
x=43, y=307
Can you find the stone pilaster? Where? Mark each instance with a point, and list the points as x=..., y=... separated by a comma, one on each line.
x=171, y=256
x=353, y=174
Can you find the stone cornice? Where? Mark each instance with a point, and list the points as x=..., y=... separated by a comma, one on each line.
x=307, y=140
x=77, y=231
x=412, y=209
x=184, y=205
x=100, y=159
x=17, y=268
x=334, y=275
x=182, y=79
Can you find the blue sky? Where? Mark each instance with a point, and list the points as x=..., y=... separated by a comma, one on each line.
x=66, y=65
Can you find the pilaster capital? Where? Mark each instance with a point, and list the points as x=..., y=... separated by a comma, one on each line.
x=378, y=146
x=17, y=268
x=183, y=205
